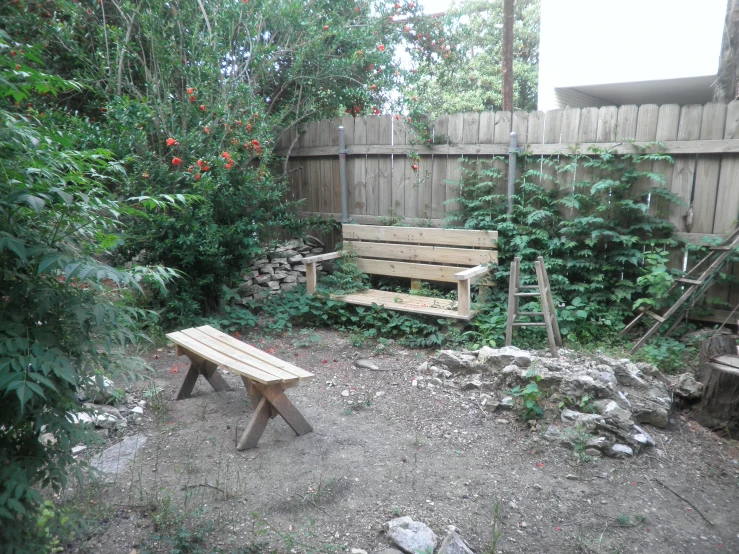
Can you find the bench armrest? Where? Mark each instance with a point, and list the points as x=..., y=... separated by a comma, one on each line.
x=472, y=272
x=321, y=257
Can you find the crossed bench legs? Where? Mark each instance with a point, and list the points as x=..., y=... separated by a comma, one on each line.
x=268, y=401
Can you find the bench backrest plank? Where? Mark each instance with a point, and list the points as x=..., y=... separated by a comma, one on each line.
x=422, y=235
x=414, y=253
x=425, y=272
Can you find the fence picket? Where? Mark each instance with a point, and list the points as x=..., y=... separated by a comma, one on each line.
x=400, y=165
x=385, y=168
x=439, y=162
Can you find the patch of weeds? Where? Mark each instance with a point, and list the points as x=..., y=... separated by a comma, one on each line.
x=303, y=539
x=626, y=521
x=668, y=354
x=320, y=490
x=359, y=405
x=397, y=512
x=155, y=400
x=308, y=338
x=497, y=531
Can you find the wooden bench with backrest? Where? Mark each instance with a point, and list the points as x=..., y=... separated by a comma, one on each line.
x=264, y=376
x=422, y=254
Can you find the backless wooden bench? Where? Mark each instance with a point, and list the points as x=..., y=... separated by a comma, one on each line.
x=423, y=254
x=265, y=377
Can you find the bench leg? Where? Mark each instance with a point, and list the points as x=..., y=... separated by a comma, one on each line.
x=276, y=397
x=216, y=380
x=199, y=366
x=255, y=396
x=256, y=426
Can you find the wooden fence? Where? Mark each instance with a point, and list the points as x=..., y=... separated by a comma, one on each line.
x=383, y=184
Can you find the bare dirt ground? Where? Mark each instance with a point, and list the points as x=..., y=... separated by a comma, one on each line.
x=432, y=454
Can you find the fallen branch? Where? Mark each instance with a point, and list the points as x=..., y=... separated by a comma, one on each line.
x=686, y=501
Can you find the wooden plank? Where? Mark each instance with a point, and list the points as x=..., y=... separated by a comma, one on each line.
x=535, y=134
x=438, y=179
x=626, y=122
x=552, y=133
x=214, y=356
x=364, y=219
x=334, y=166
x=422, y=235
x=415, y=253
x=454, y=167
x=520, y=126
x=385, y=168
x=727, y=199
x=731, y=361
x=607, y=122
x=668, y=121
x=588, y=125
x=236, y=356
x=707, y=170
x=684, y=171
x=463, y=298
x=471, y=128
x=487, y=128
x=325, y=184
x=408, y=270
x=351, y=197
x=646, y=131
x=476, y=271
x=676, y=147
x=256, y=426
x=485, y=163
x=440, y=307
x=372, y=165
x=570, y=127
x=502, y=136
x=400, y=166
x=358, y=162
x=254, y=352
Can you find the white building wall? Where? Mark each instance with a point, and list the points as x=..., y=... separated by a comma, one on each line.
x=588, y=42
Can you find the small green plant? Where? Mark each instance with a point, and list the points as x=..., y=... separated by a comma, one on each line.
x=668, y=354
x=656, y=280
x=531, y=396
x=154, y=397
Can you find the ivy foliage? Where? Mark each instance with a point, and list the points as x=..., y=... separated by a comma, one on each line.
x=62, y=322
x=598, y=218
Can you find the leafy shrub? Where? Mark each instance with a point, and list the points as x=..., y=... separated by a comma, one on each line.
x=62, y=324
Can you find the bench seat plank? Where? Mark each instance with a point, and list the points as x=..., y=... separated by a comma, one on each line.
x=213, y=355
x=422, y=235
x=255, y=353
x=414, y=253
x=441, y=307
x=424, y=272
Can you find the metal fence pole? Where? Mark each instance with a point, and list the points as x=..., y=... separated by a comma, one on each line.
x=342, y=176
x=512, y=154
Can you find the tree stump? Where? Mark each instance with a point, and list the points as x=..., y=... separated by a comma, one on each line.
x=712, y=347
x=719, y=406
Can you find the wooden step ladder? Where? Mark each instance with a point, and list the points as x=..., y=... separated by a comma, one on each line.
x=516, y=291
x=695, y=284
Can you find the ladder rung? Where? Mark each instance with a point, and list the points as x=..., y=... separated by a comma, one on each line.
x=527, y=294
x=530, y=313
x=655, y=316
x=529, y=287
x=728, y=247
x=529, y=324
x=689, y=281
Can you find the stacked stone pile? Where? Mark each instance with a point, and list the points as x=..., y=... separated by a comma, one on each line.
x=281, y=269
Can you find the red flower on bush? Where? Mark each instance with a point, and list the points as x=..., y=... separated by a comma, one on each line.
x=189, y=91
x=249, y=127
x=192, y=98
x=12, y=52
x=199, y=163
x=176, y=161
x=381, y=48
x=226, y=156
x=230, y=164
x=207, y=130
x=172, y=142
x=17, y=67
x=202, y=107
x=197, y=177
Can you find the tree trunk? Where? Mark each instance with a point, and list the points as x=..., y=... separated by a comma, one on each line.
x=719, y=407
x=728, y=71
x=508, y=55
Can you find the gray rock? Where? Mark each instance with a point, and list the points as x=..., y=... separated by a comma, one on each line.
x=411, y=536
x=440, y=373
x=506, y=403
x=498, y=358
x=580, y=385
x=389, y=551
x=79, y=448
x=290, y=279
x=313, y=241
x=454, y=544
x=267, y=270
x=597, y=443
x=488, y=403
x=629, y=375
x=366, y=364
x=80, y=417
x=100, y=390
x=613, y=410
x=106, y=421
x=423, y=368
x=472, y=384
x=296, y=259
x=572, y=416
x=651, y=415
x=273, y=285
x=606, y=378
x=47, y=439
x=552, y=433
x=456, y=362
x=301, y=268
x=620, y=451
x=647, y=438
x=302, y=279
x=687, y=387
x=593, y=452
x=262, y=279
x=279, y=275
x=117, y=458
